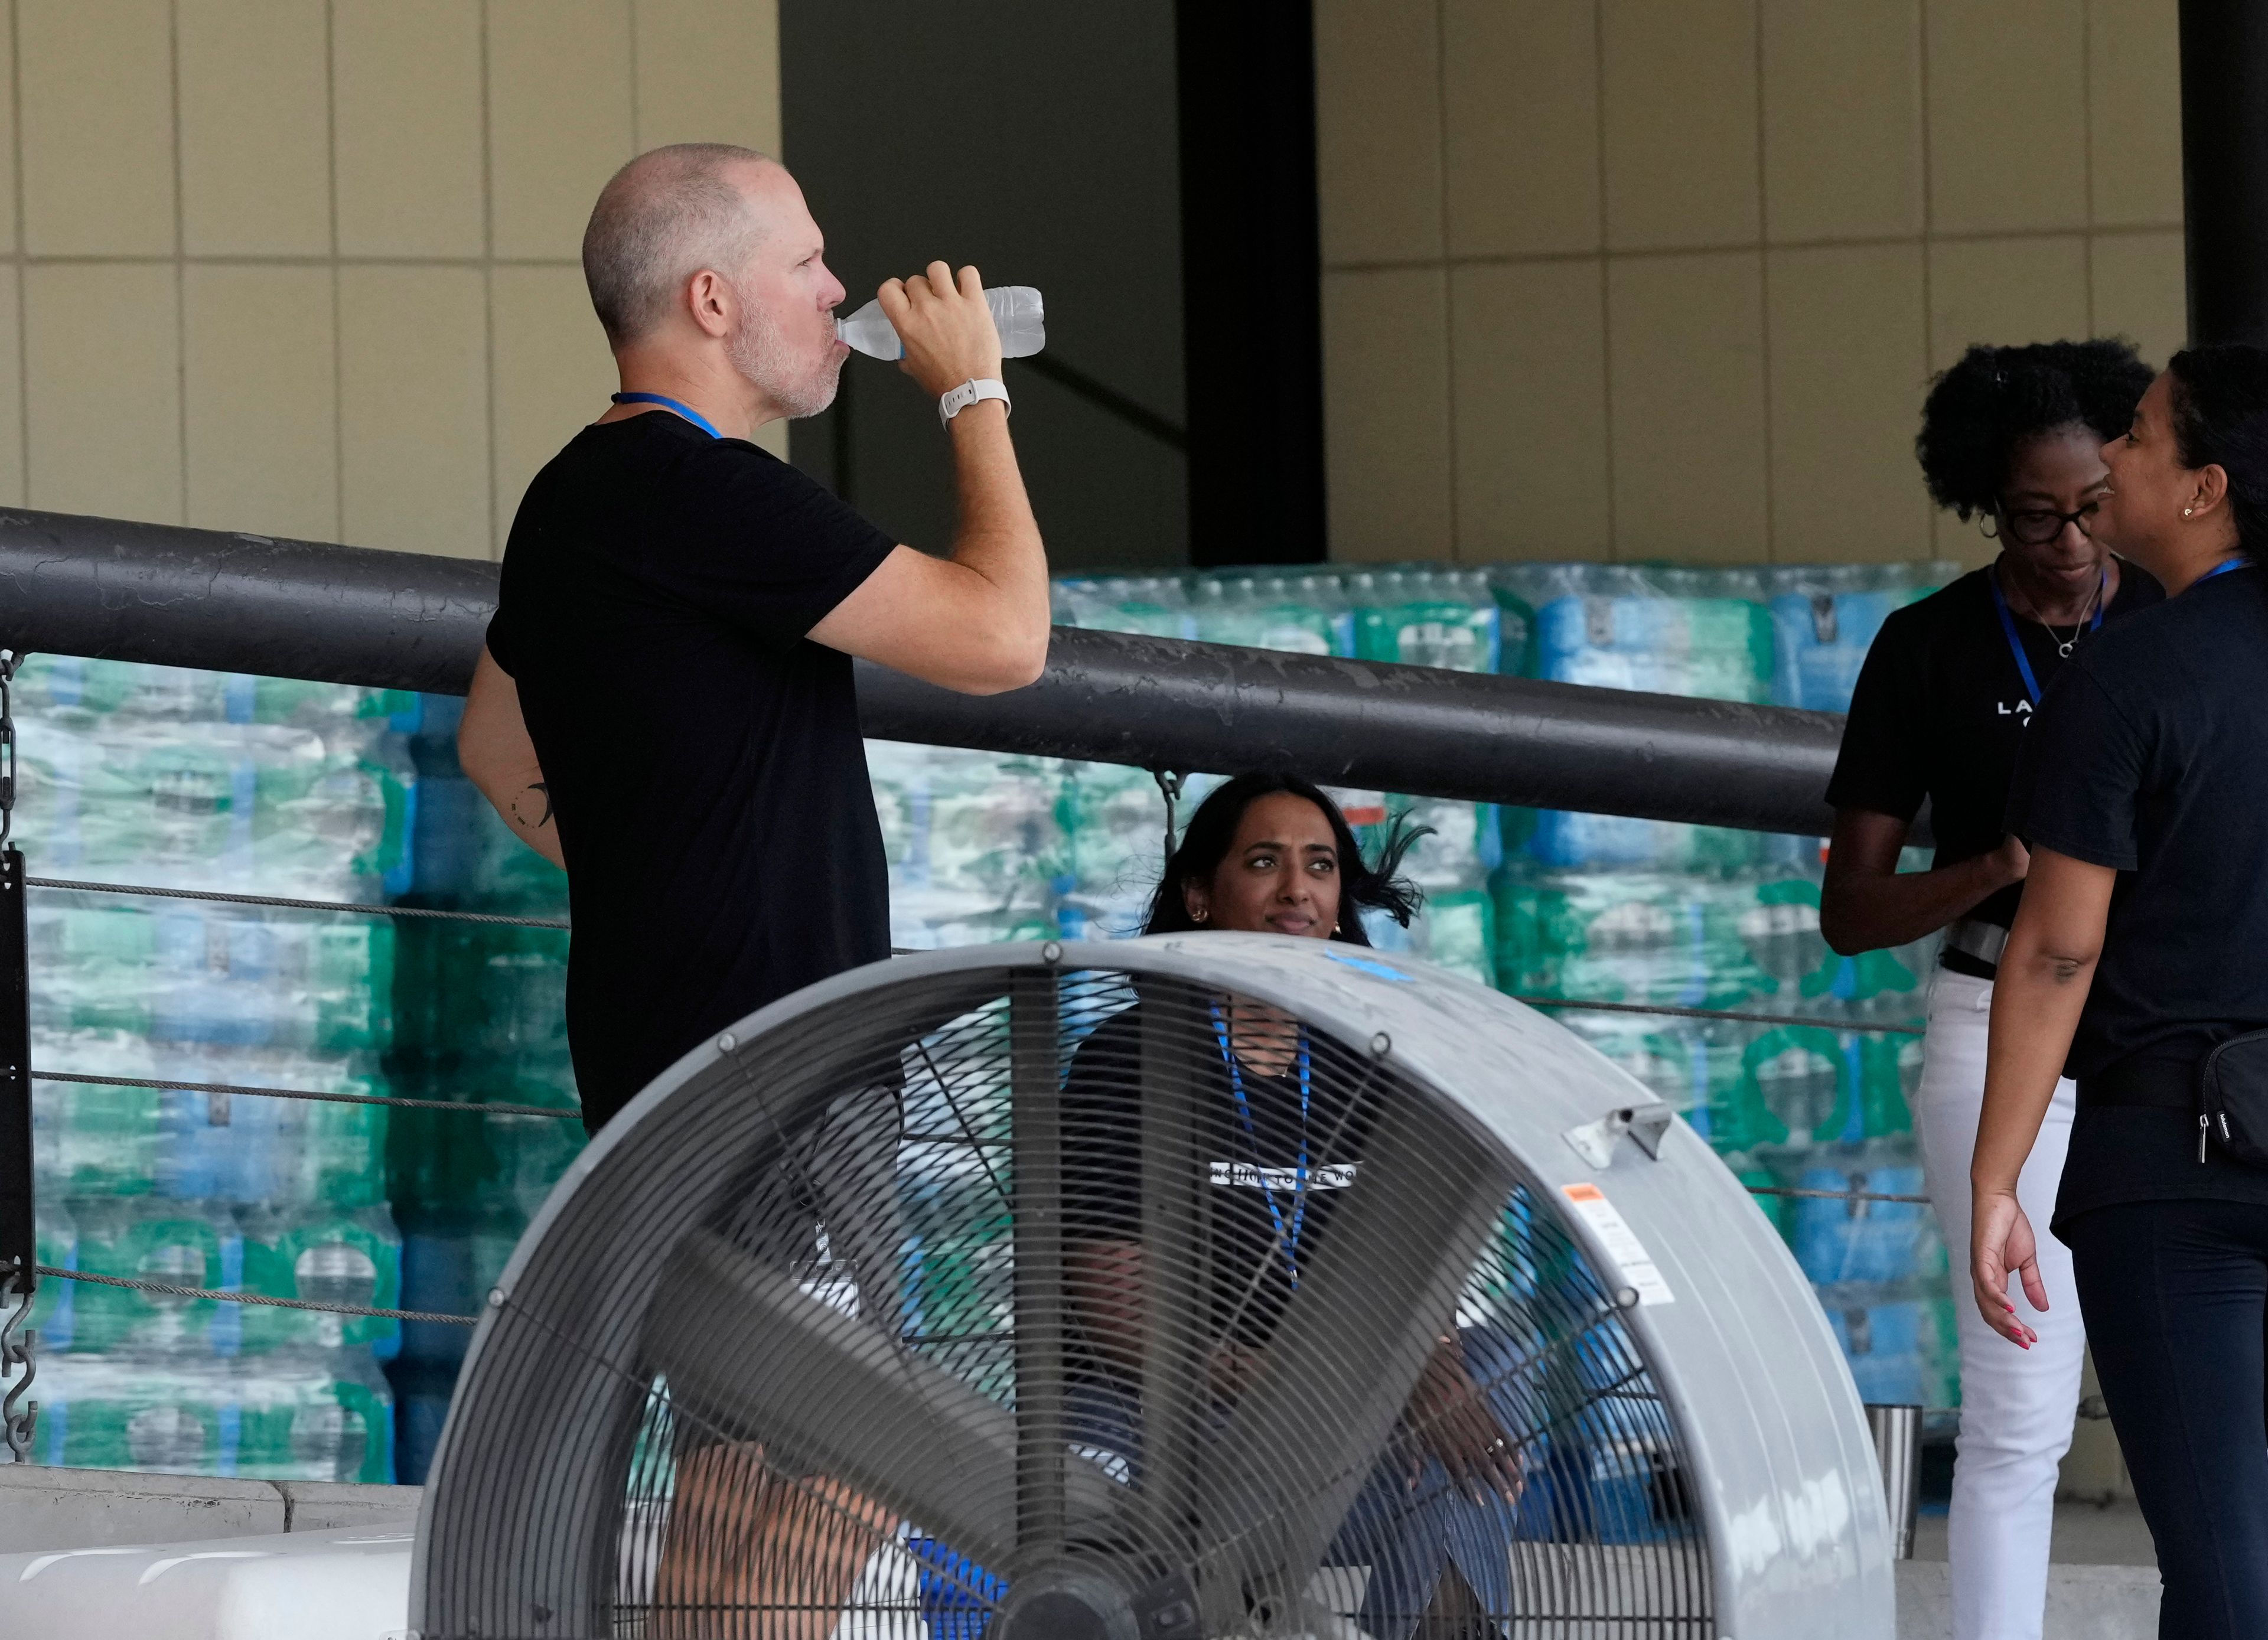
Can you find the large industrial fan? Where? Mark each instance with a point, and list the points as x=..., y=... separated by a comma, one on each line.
x=1201, y=1285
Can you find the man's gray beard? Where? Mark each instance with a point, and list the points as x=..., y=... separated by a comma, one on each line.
x=759, y=352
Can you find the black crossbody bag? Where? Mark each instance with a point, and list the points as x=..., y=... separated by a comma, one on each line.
x=2233, y=1093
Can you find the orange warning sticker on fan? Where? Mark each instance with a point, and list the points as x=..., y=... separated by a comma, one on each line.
x=1639, y=1270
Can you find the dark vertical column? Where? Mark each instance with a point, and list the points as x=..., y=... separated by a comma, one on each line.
x=2225, y=168
x=1038, y=140
x=17, y=1235
x=1251, y=281
x=20, y=1256
x=1035, y=1124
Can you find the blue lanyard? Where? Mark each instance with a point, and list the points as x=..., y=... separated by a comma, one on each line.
x=2218, y=569
x=668, y=403
x=2016, y=644
x=1288, y=1240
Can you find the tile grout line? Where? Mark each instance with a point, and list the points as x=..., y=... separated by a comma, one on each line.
x=1526, y=259
x=1448, y=285
x=278, y=259
x=488, y=273
x=180, y=259
x=338, y=303
x=1605, y=267
x=2086, y=149
x=23, y=238
x=637, y=115
x=1929, y=236
x=1764, y=311
x=1653, y=252
x=1928, y=232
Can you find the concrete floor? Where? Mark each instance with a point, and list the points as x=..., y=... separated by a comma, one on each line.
x=2103, y=1585
x=2086, y=1535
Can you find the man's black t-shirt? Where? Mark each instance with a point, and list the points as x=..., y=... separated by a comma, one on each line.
x=1940, y=711
x=1251, y=1172
x=702, y=756
x=2151, y=757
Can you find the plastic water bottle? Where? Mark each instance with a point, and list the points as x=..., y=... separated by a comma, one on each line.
x=1426, y=617
x=1018, y=313
x=312, y=1415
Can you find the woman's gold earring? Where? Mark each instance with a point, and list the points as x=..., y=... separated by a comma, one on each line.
x=2188, y=512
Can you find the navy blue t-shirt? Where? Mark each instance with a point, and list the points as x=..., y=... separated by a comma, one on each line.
x=1940, y=711
x=2150, y=756
x=1247, y=1152
x=703, y=755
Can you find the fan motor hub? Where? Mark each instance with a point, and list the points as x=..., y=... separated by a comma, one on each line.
x=1067, y=1604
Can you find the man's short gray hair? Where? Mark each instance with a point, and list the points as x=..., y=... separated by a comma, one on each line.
x=659, y=220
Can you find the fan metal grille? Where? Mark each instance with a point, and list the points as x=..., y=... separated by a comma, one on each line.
x=1064, y=1308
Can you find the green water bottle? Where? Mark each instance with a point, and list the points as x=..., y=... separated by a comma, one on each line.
x=159, y=1415
x=327, y=1255
x=146, y=1239
x=1422, y=617
x=1799, y=1076
x=315, y=1415
x=1456, y=931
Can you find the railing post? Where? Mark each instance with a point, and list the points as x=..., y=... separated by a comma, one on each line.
x=19, y=1257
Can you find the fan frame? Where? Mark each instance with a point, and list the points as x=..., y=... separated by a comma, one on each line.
x=1783, y=1471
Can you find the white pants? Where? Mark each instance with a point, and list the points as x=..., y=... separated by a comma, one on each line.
x=2016, y=1405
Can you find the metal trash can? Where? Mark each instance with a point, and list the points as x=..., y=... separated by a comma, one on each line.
x=1897, y=1447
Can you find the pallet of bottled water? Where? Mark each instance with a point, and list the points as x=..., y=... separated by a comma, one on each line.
x=232, y=784
x=238, y=784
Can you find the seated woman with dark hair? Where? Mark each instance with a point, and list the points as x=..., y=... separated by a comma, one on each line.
x=1278, y=1144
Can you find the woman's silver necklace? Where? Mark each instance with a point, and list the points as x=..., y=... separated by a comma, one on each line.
x=2064, y=645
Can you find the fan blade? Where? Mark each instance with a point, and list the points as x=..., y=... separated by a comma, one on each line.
x=933, y=1005
x=746, y=1351
x=1042, y=1457
x=1175, y=1227
x=1379, y=1291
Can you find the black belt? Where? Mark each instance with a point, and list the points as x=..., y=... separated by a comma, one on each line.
x=1979, y=941
x=2154, y=1084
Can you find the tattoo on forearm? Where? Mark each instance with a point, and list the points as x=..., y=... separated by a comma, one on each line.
x=521, y=803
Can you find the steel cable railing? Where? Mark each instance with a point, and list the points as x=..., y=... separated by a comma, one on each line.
x=220, y=1295
x=19, y=1356
x=1565, y=1003
x=1734, y=1016
x=495, y=919
x=395, y=1101
x=1856, y=1199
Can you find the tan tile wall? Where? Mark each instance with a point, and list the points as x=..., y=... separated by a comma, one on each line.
x=309, y=267
x=1647, y=279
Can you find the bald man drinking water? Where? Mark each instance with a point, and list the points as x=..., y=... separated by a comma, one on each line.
x=665, y=707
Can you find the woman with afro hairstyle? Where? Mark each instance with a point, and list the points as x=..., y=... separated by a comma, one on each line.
x=2011, y=437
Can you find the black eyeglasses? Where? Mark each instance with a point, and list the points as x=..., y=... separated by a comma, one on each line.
x=2036, y=526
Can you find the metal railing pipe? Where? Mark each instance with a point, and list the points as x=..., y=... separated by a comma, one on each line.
x=342, y=614
x=176, y=596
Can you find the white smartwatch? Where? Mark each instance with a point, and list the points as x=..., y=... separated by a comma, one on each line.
x=952, y=404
